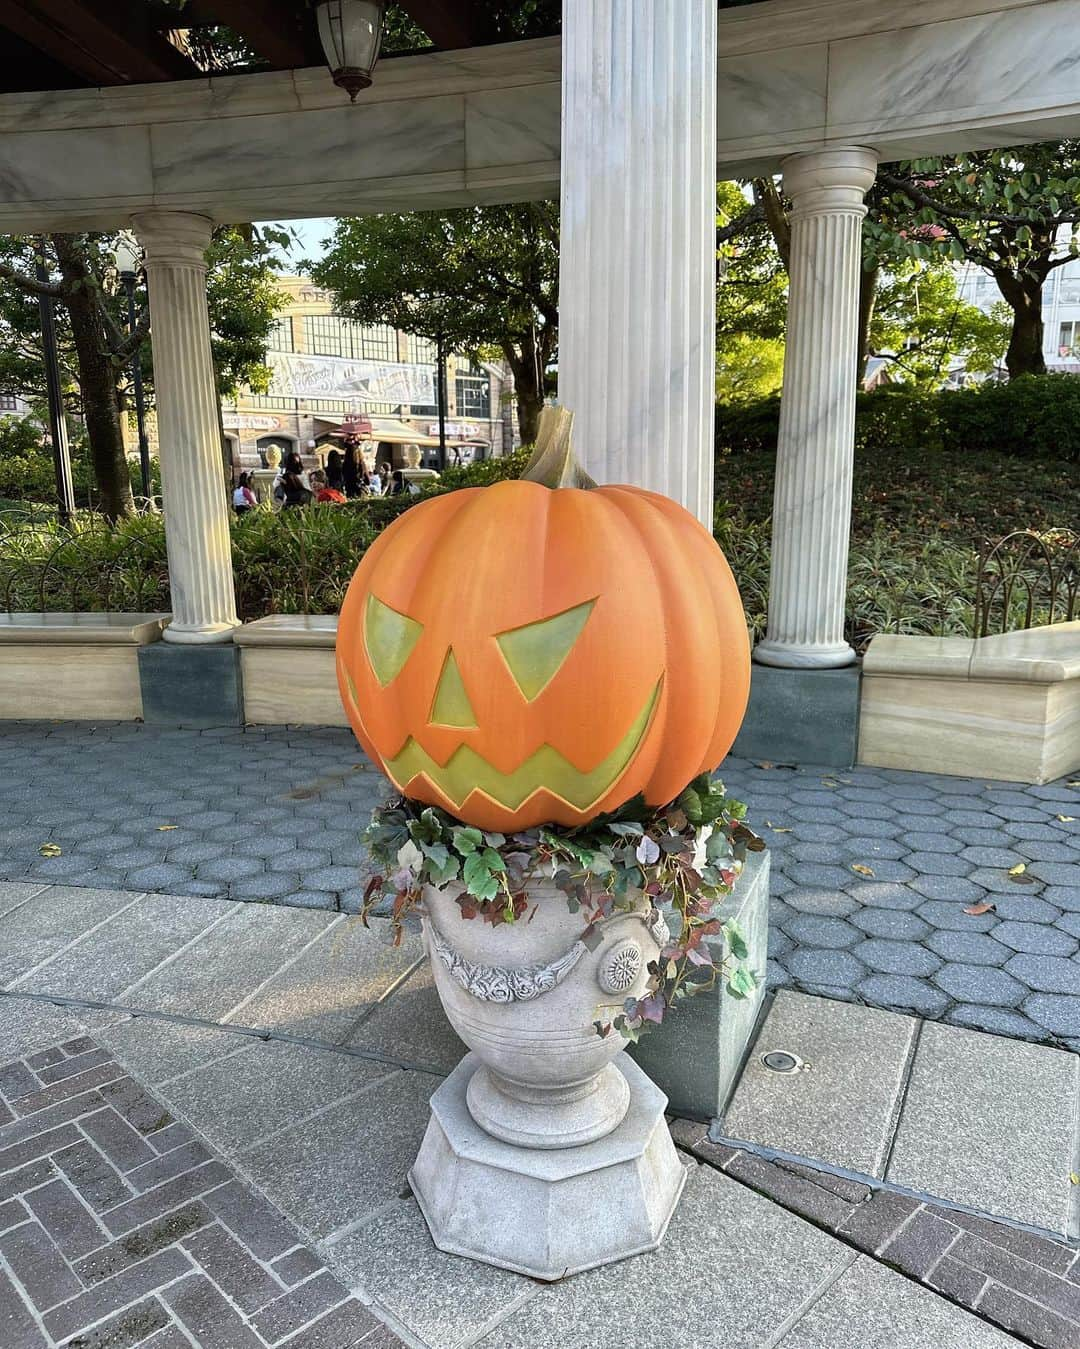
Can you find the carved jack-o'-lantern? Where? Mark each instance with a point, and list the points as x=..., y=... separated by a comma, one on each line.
x=541, y=650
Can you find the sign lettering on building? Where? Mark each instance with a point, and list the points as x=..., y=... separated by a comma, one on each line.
x=296, y=376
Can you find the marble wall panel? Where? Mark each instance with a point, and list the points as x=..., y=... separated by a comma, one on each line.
x=389, y=140
x=513, y=126
x=771, y=93
x=72, y=166
x=1013, y=60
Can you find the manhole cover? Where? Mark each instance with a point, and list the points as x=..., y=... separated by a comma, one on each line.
x=780, y=1061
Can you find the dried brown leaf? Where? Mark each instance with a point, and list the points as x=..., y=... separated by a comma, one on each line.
x=977, y=910
x=862, y=870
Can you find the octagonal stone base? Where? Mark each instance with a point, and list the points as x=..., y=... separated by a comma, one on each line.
x=547, y=1212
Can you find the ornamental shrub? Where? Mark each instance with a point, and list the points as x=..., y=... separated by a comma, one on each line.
x=1033, y=417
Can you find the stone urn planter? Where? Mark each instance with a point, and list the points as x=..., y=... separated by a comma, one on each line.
x=547, y=1151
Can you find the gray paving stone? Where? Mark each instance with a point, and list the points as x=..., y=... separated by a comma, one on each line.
x=903, y=993
x=863, y=848
x=1045, y=973
x=937, y=863
x=1025, y=908
x=876, y=1308
x=968, y=1134
x=1038, y=851
x=108, y=960
x=1000, y=882
x=51, y=920
x=899, y=925
x=994, y=1020
x=26, y=1025
x=838, y=969
x=300, y=859
x=811, y=930
x=897, y=957
x=159, y=876
x=1038, y=937
x=228, y=869
x=955, y=890
x=775, y=1264
x=1063, y=896
x=972, y=948
x=817, y=875
x=991, y=857
x=263, y=1087
x=825, y=903
x=311, y=1169
x=1059, y=1014
x=410, y=1025
x=980, y=983
x=226, y=964
x=841, y=1111
x=443, y=1299
x=884, y=894
x=309, y=899
x=923, y=841
x=156, y=1050
x=13, y=894
x=338, y=981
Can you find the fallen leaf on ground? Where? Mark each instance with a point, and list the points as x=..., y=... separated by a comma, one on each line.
x=163, y=828
x=1065, y=819
x=1018, y=870
x=829, y=782
x=50, y=850
x=777, y=828
x=1074, y=783
x=765, y=764
x=1074, y=1179
x=977, y=910
x=862, y=870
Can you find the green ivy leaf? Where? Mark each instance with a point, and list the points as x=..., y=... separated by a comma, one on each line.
x=736, y=940
x=478, y=878
x=467, y=839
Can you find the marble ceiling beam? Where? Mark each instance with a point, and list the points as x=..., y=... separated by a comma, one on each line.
x=902, y=77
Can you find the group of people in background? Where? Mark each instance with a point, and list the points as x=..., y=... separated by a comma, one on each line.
x=346, y=476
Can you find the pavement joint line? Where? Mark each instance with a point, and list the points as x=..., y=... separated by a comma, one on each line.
x=26, y=898
x=769, y=1154
x=799, y=1313
x=902, y=1094
x=339, y=1234
x=383, y=998
x=251, y=1144
x=1074, y=1197
x=135, y=898
x=173, y=955
x=252, y=1032
x=500, y=1317
x=335, y=922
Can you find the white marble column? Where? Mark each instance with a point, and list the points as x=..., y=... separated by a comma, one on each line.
x=812, y=501
x=192, y=481
x=637, y=281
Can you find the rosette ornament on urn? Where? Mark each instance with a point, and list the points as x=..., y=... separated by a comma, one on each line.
x=540, y=651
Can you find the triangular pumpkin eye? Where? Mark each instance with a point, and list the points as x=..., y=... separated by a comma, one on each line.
x=535, y=652
x=389, y=638
x=452, y=706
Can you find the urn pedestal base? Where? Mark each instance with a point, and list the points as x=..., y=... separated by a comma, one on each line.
x=547, y=1212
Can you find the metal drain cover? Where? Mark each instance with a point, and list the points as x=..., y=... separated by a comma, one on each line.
x=780, y=1061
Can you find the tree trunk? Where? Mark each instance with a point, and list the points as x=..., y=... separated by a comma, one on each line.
x=1024, y=295
x=97, y=381
x=528, y=385
x=868, y=284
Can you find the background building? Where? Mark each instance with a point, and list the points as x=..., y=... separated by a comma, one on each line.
x=479, y=400
x=1061, y=310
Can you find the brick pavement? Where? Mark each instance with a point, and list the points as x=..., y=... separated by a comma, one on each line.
x=1028, y=1285
x=872, y=869
x=118, y=1227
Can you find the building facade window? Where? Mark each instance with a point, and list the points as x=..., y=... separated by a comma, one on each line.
x=473, y=389
x=329, y=335
x=280, y=336
x=8, y=403
x=1069, y=337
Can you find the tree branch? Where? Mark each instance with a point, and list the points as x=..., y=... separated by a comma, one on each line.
x=29, y=285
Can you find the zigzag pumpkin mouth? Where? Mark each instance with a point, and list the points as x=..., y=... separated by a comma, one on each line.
x=547, y=769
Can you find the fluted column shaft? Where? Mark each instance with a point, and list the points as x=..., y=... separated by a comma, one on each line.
x=812, y=500
x=638, y=251
x=195, y=502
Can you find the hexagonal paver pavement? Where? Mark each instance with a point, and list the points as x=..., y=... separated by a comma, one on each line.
x=897, y=889
x=953, y=898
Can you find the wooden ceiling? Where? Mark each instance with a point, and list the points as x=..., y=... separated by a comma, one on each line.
x=65, y=44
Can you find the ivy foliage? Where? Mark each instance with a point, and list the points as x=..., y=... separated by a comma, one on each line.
x=679, y=861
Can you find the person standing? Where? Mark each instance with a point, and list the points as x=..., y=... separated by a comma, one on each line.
x=243, y=498
x=335, y=478
x=350, y=469
x=295, y=483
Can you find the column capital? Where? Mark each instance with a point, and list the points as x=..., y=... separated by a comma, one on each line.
x=836, y=179
x=177, y=237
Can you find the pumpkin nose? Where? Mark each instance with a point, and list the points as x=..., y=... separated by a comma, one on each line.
x=451, y=706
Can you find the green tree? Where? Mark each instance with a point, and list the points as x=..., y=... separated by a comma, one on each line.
x=483, y=277
x=1014, y=213
x=95, y=347
x=751, y=300
x=920, y=325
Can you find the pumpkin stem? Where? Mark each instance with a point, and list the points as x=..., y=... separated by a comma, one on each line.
x=554, y=463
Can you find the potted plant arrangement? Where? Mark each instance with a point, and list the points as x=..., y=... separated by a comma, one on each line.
x=546, y=670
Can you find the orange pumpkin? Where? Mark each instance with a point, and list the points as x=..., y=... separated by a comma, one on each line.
x=527, y=654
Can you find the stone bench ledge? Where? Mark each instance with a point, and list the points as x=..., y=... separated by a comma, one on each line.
x=304, y=630
x=78, y=629
x=1046, y=655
